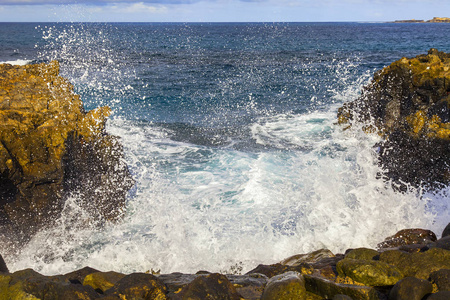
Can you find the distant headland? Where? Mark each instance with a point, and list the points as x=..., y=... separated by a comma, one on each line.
x=434, y=20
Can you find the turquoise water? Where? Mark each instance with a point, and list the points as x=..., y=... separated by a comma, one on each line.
x=229, y=130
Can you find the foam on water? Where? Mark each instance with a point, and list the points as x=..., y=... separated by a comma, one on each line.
x=197, y=208
x=18, y=62
x=283, y=184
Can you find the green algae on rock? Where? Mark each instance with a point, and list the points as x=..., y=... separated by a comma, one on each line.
x=51, y=147
x=369, y=273
x=419, y=265
x=289, y=285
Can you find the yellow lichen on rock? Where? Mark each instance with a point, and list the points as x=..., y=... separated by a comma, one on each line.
x=48, y=144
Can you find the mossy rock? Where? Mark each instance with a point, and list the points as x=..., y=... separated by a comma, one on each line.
x=51, y=147
x=328, y=289
x=290, y=285
x=371, y=273
x=138, y=286
x=102, y=281
x=212, y=286
x=362, y=254
x=420, y=264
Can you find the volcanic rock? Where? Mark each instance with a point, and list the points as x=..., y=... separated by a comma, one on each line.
x=370, y=273
x=50, y=148
x=408, y=103
x=410, y=288
x=213, y=286
x=420, y=264
x=442, y=279
x=138, y=286
x=290, y=285
x=408, y=237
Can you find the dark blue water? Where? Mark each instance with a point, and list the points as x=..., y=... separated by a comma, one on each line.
x=229, y=130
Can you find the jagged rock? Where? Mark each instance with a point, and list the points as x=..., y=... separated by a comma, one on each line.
x=446, y=231
x=410, y=288
x=408, y=103
x=362, y=254
x=289, y=285
x=328, y=289
x=420, y=264
x=442, y=279
x=408, y=237
x=213, y=286
x=370, y=273
x=102, y=281
x=139, y=286
x=3, y=267
x=51, y=147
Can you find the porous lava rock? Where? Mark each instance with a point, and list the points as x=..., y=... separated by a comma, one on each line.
x=50, y=148
x=408, y=104
x=408, y=237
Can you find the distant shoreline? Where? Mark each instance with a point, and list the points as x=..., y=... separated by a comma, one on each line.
x=434, y=20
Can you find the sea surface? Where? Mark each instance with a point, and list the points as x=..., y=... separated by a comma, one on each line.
x=229, y=130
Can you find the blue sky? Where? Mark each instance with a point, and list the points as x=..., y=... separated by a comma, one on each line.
x=220, y=10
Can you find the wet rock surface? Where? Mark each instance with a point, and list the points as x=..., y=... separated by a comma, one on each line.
x=50, y=147
x=361, y=273
x=408, y=103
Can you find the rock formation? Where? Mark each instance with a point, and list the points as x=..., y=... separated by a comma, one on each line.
x=51, y=147
x=408, y=103
x=421, y=273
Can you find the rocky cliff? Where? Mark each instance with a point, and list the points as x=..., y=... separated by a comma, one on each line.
x=51, y=147
x=408, y=103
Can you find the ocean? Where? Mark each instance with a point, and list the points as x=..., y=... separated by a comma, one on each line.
x=229, y=130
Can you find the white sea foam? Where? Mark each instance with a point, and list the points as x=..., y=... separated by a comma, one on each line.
x=18, y=62
x=197, y=208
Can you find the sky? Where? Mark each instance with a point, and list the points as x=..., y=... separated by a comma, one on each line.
x=221, y=10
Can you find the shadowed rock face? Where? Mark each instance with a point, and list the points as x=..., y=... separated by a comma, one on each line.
x=51, y=147
x=408, y=103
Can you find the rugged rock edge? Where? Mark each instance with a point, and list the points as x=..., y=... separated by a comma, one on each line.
x=50, y=147
x=408, y=104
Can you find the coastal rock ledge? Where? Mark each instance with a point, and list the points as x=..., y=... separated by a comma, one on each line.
x=50, y=147
x=408, y=104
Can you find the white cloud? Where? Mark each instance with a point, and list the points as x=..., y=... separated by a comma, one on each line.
x=141, y=7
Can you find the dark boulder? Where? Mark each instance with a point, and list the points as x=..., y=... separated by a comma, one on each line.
x=410, y=288
x=441, y=278
x=290, y=285
x=408, y=237
x=213, y=287
x=138, y=286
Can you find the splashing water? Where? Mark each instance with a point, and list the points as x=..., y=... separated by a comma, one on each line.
x=249, y=180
